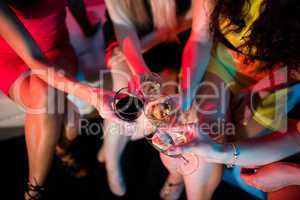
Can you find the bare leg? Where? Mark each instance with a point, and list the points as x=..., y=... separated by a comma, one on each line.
x=71, y=121
x=174, y=185
x=64, y=148
x=114, y=143
x=201, y=184
x=42, y=128
x=70, y=128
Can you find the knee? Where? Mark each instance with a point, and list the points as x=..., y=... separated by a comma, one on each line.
x=40, y=95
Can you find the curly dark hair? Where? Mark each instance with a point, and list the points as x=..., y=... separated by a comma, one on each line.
x=275, y=35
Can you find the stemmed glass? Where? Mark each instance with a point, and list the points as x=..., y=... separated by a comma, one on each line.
x=127, y=106
x=165, y=113
x=150, y=86
x=128, y=103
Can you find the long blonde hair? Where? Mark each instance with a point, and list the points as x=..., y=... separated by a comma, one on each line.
x=164, y=15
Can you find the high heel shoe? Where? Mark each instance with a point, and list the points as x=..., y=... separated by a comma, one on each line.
x=69, y=161
x=34, y=191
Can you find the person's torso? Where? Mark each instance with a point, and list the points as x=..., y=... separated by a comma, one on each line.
x=228, y=62
x=235, y=39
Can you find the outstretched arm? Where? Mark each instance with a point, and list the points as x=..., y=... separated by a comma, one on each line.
x=197, y=50
x=252, y=152
x=20, y=40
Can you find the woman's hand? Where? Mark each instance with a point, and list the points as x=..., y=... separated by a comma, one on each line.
x=273, y=177
x=103, y=102
x=200, y=144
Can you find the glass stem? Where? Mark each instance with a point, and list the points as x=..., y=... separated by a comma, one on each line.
x=186, y=161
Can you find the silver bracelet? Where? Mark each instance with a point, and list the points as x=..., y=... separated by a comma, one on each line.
x=236, y=153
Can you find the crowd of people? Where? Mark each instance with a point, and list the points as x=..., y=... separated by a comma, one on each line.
x=236, y=63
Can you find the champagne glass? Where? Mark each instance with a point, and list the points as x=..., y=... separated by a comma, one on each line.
x=167, y=144
x=150, y=86
x=128, y=105
x=164, y=113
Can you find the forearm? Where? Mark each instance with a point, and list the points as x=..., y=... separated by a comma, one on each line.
x=197, y=51
x=195, y=59
x=20, y=40
x=131, y=48
x=60, y=81
x=261, y=151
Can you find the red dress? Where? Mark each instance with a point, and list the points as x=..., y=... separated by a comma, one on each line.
x=45, y=21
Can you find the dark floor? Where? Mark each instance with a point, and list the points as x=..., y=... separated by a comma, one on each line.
x=144, y=174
